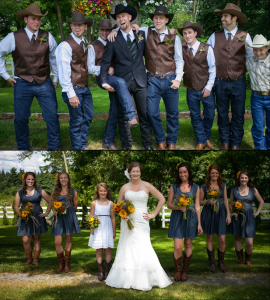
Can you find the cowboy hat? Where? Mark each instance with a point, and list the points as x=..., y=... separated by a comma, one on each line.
x=106, y=24
x=259, y=41
x=233, y=9
x=120, y=8
x=161, y=10
x=79, y=18
x=188, y=24
x=31, y=10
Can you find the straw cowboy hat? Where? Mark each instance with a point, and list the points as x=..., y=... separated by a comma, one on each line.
x=106, y=24
x=233, y=9
x=161, y=10
x=188, y=24
x=31, y=10
x=120, y=8
x=259, y=41
x=79, y=18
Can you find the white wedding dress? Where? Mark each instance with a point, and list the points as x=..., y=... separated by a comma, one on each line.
x=136, y=264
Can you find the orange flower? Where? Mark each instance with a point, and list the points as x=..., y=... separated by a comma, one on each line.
x=207, y=168
x=123, y=213
x=23, y=176
x=57, y=204
x=238, y=205
x=238, y=174
x=56, y=176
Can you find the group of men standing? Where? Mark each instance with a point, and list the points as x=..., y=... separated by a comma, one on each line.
x=121, y=69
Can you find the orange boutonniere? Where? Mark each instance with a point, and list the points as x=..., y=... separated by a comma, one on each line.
x=43, y=39
x=241, y=38
x=168, y=42
x=140, y=38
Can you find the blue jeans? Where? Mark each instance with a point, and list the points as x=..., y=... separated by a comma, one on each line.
x=259, y=105
x=202, y=127
x=226, y=90
x=156, y=88
x=80, y=117
x=24, y=93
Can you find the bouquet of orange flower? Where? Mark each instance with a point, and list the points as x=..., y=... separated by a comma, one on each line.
x=123, y=209
x=27, y=213
x=61, y=209
x=213, y=194
x=238, y=207
x=183, y=201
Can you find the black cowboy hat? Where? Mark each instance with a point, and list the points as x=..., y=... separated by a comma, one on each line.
x=188, y=24
x=161, y=10
x=79, y=18
x=120, y=8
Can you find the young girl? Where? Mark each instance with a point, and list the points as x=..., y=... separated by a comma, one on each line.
x=103, y=236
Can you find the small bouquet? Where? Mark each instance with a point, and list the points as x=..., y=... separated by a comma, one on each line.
x=183, y=201
x=238, y=207
x=123, y=209
x=27, y=213
x=93, y=222
x=213, y=194
x=61, y=209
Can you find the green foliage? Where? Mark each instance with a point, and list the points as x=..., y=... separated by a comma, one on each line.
x=5, y=219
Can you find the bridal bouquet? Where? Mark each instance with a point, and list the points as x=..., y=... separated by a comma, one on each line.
x=183, y=201
x=213, y=194
x=27, y=213
x=123, y=209
x=93, y=222
x=238, y=207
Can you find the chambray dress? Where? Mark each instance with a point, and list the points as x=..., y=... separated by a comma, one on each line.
x=212, y=222
x=30, y=228
x=248, y=230
x=68, y=223
x=179, y=227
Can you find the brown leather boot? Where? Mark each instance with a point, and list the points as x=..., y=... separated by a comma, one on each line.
x=100, y=271
x=36, y=257
x=240, y=257
x=248, y=259
x=29, y=258
x=211, y=258
x=107, y=269
x=67, y=259
x=61, y=260
x=178, y=268
x=221, y=261
x=186, y=264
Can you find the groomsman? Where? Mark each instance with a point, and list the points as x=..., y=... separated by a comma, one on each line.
x=71, y=57
x=33, y=52
x=199, y=77
x=230, y=83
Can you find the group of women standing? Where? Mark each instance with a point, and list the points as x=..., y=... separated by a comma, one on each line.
x=131, y=270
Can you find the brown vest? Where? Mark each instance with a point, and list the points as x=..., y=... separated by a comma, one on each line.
x=99, y=50
x=196, y=70
x=79, y=70
x=31, y=60
x=159, y=55
x=230, y=61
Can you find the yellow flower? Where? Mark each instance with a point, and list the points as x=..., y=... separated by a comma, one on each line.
x=238, y=205
x=123, y=213
x=178, y=166
x=131, y=209
x=91, y=219
x=207, y=168
x=57, y=204
x=238, y=174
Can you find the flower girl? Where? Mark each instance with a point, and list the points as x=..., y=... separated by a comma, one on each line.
x=103, y=236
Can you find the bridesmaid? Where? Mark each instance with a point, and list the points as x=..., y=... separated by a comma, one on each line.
x=184, y=228
x=67, y=224
x=244, y=192
x=214, y=222
x=31, y=193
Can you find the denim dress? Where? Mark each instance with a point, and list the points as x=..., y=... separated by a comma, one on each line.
x=212, y=222
x=30, y=228
x=68, y=223
x=184, y=228
x=248, y=230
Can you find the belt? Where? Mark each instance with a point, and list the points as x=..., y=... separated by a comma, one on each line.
x=104, y=215
x=162, y=76
x=261, y=93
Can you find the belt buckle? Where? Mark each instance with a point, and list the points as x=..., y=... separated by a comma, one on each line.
x=265, y=93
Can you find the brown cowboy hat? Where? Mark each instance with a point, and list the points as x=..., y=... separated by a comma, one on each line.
x=233, y=9
x=31, y=10
x=106, y=24
x=188, y=24
x=120, y=8
x=161, y=10
x=79, y=18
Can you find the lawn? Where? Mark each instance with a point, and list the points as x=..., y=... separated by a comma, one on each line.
x=83, y=261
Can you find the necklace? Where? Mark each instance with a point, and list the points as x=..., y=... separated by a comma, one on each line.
x=136, y=184
x=214, y=187
x=242, y=191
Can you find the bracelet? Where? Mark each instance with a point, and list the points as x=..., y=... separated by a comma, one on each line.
x=153, y=215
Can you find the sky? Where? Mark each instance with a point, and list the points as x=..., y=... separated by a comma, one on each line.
x=9, y=159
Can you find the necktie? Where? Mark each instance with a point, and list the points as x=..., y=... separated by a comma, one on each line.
x=229, y=39
x=128, y=41
x=132, y=46
x=190, y=53
x=33, y=39
x=81, y=44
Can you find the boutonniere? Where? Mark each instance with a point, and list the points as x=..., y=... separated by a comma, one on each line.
x=168, y=42
x=201, y=49
x=140, y=37
x=43, y=39
x=241, y=38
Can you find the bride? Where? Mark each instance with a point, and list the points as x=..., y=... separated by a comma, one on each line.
x=136, y=264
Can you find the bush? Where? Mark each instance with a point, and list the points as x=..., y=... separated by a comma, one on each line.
x=5, y=219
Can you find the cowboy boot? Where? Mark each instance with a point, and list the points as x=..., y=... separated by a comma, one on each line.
x=186, y=264
x=61, y=260
x=36, y=257
x=100, y=271
x=240, y=257
x=67, y=259
x=248, y=259
x=221, y=261
x=211, y=258
x=178, y=268
x=107, y=268
x=29, y=258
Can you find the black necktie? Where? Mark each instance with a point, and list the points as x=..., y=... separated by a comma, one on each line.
x=128, y=41
x=132, y=46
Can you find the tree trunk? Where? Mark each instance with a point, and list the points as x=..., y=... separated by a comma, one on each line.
x=65, y=161
x=60, y=22
x=194, y=11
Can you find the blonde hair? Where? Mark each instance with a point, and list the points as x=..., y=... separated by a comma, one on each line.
x=106, y=187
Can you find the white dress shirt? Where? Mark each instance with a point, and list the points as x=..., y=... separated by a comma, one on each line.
x=7, y=45
x=92, y=68
x=249, y=51
x=63, y=57
x=211, y=64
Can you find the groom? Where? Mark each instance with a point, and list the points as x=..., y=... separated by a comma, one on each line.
x=127, y=54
